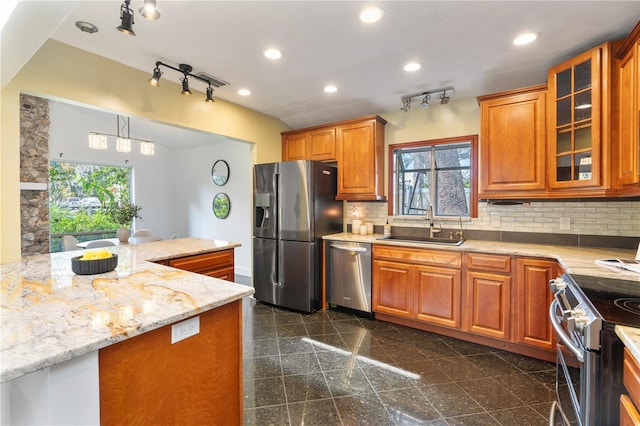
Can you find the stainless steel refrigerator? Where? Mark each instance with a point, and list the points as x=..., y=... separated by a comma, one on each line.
x=294, y=206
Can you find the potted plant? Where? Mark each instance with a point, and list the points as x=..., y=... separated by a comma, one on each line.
x=123, y=213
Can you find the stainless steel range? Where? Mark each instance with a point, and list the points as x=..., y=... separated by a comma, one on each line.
x=584, y=313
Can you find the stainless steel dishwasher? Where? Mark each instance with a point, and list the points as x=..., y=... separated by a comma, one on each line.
x=349, y=274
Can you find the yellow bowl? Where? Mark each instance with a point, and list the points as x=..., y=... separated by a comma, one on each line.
x=94, y=266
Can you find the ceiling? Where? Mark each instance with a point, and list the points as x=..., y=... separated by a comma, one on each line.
x=466, y=45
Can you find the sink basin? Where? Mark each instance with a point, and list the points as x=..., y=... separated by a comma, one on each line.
x=427, y=240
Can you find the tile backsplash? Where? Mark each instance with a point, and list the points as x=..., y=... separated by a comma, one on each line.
x=606, y=218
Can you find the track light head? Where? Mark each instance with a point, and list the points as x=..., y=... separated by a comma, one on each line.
x=126, y=19
x=155, y=78
x=149, y=10
x=425, y=102
x=406, y=104
x=185, y=86
x=209, y=94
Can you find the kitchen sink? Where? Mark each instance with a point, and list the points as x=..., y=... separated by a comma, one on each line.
x=427, y=240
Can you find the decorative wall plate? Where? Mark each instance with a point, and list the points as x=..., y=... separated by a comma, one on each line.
x=221, y=205
x=220, y=172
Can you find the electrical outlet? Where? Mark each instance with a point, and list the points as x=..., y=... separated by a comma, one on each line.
x=565, y=224
x=184, y=329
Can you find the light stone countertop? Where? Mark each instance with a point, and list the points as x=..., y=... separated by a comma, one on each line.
x=574, y=260
x=630, y=336
x=49, y=315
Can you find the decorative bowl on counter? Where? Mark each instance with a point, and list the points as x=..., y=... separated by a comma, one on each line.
x=94, y=266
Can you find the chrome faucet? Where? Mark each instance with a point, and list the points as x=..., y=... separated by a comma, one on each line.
x=429, y=217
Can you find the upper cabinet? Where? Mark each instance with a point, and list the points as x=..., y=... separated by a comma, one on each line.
x=579, y=111
x=357, y=147
x=360, y=159
x=513, y=143
x=628, y=104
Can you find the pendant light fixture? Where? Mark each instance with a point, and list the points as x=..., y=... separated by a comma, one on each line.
x=98, y=140
x=186, y=71
x=150, y=10
x=126, y=19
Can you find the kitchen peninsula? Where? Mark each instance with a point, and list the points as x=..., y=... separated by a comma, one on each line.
x=98, y=348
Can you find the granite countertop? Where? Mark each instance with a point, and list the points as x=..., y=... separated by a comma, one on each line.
x=630, y=336
x=49, y=315
x=574, y=260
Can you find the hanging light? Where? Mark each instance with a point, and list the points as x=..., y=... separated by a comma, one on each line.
x=209, y=94
x=149, y=10
x=155, y=78
x=147, y=148
x=123, y=144
x=126, y=19
x=97, y=141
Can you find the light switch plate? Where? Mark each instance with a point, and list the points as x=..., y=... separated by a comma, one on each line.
x=185, y=329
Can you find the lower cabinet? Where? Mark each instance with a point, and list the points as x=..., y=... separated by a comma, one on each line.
x=629, y=403
x=217, y=264
x=492, y=299
x=488, y=295
x=532, y=300
x=417, y=284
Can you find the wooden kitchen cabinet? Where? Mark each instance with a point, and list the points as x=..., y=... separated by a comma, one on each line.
x=629, y=404
x=513, y=144
x=487, y=302
x=294, y=146
x=418, y=284
x=580, y=123
x=217, y=264
x=531, y=301
x=356, y=145
x=628, y=103
x=310, y=144
x=361, y=159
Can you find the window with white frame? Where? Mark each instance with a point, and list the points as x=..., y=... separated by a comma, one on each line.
x=438, y=173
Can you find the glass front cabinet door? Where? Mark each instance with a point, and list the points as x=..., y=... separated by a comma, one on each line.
x=578, y=120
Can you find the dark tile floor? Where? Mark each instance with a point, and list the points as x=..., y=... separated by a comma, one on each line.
x=333, y=368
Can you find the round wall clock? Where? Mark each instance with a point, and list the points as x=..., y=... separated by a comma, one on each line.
x=221, y=205
x=220, y=172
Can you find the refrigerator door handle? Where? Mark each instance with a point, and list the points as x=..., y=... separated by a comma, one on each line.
x=347, y=248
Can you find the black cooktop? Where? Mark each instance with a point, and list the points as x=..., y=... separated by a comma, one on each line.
x=618, y=301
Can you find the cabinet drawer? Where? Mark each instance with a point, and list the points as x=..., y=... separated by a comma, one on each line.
x=203, y=262
x=421, y=256
x=631, y=377
x=628, y=413
x=489, y=262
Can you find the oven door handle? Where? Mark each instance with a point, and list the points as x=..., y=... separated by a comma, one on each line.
x=566, y=341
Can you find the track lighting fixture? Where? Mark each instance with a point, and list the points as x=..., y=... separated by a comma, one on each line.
x=442, y=94
x=150, y=10
x=185, y=70
x=126, y=19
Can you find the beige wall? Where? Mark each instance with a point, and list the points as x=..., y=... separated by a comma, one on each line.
x=60, y=72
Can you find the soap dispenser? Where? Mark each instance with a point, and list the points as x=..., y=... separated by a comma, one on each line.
x=387, y=228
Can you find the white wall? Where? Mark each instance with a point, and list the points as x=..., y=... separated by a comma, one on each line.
x=174, y=186
x=195, y=192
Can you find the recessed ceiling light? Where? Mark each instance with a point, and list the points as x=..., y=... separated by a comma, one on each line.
x=273, y=53
x=525, y=38
x=330, y=89
x=244, y=92
x=412, y=66
x=371, y=14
